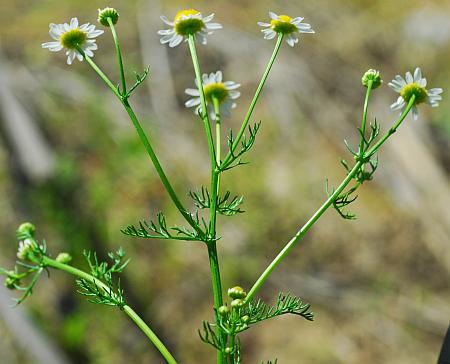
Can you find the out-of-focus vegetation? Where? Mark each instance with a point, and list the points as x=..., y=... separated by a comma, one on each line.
x=71, y=163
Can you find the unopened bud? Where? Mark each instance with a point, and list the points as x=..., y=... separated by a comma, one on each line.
x=223, y=310
x=26, y=229
x=106, y=13
x=64, y=258
x=237, y=292
x=237, y=303
x=374, y=76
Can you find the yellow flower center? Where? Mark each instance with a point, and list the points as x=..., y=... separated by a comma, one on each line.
x=73, y=38
x=415, y=89
x=283, y=25
x=190, y=25
x=215, y=90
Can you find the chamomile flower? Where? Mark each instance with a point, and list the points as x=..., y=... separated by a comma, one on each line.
x=214, y=87
x=187, y=22
x=284, y=24
x=414, y=85
x=70, y=37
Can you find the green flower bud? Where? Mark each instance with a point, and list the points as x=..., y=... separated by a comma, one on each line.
x=237, y=292
x=245, y=319
x=374, y=76
x=223, y=310
x=64, y=258
x=237, y=303
x=26, y=248
x=106, y=13
x=227, y=350
x=10, y=283
x=26, y=229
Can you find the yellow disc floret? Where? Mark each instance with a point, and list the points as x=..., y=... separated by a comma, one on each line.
x=215, y=90
x=415, y=89
x=283, y=25
x=185, y=23
x=73, y=38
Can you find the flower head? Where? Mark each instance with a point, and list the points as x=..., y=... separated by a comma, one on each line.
x=104, y=14
x=374, y=76
x=187, y=22
x=73, y=38
x=285, y=25
x=213, y=87
x=414, y=85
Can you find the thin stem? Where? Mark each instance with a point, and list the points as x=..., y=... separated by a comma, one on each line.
x=304, y=229
x=364, y=118
x=203, y=109
x=254, y=100
x=218, y=138
x=145, y=141
x=159, y=169
x=119, y=55
x=47, y=262
x=393, y=129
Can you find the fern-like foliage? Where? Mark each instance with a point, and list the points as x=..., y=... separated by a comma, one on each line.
x=139, y=80
x=247, y=143
x=225, y=204
x=365, y=173
x=208, y=335
x=159, y=230
x=286, y=304
x=104, y=291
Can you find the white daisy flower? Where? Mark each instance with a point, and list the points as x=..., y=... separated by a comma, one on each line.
x=70, y=37
x=414, y=85
x=25, y=247
x=185, y=23
x=214, y=87
x=284, y=24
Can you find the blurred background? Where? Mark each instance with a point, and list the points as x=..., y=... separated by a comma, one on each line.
x=71, y=163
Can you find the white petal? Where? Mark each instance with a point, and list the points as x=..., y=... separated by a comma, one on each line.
x=234, y=94
x=192, y=102
x=201, y=36
x=415, y=112
x=167, y=38
x=435, y=91
x=262, y=24
x=192, y=92
x=400, y=80
x=70, y=57
x=165, y=20
x=273, y=15
x=409, y=78
x=88, y=54
x=85, y=27
x=213, y=26
x=422, y=82
x=395, y=86
x=95, y=33
x=417, y=75
x=73, y=23
x=218, y=76
x=166, y=31
x=290, y=41
x=208, y=18
x=270, y=35
x=52, y=46
x=175, y=41
x=297, y=20
x=230, y=85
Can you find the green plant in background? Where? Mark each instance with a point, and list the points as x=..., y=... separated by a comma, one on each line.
x=212, y=99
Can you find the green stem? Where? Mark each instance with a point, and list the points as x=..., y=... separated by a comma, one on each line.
x=204, y=110
x=145, y=141
x=216, y=104
x=304, y=229
x=215, y=175
x=119, y=56
x=364, y=118
x=47, y=262
x=236, y=142
x=393, y=129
